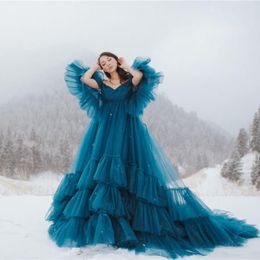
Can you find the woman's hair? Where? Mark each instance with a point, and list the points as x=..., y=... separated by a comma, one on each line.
x=123, y=75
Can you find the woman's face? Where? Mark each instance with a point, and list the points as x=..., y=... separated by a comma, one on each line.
x=108, y=64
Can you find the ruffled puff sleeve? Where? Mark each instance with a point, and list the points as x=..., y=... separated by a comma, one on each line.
x=144, y=92
x=89, y=98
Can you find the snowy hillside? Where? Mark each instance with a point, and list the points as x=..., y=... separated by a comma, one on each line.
x=209, y=182
x=34, y=123
x=42, y=184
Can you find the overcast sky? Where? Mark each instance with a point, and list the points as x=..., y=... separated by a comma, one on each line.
x=208, y=51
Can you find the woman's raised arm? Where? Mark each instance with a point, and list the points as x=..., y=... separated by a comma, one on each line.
x=87, y=77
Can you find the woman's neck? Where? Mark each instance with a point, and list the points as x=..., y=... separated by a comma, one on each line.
x=114, y=76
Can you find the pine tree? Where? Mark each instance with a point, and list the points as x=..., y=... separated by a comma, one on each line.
x=234, y=170
x=255, y=172
x=1, y=152
x=224, y=169
x=205, y=160
x=18, y=153
x=36, y=159
x=22, y=160
x=9, y=162
x=255, y=133
x=65, y=154
x=242, y=142
x=199, y=163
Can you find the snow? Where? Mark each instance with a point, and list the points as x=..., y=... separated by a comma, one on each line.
x=209, y=182
x=247, y=163
x=41, y=184
x=24, y=231
x=24, y=205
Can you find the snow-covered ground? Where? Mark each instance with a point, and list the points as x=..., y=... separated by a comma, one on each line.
x=42, y=184
x=24, y=231
x=24, y=204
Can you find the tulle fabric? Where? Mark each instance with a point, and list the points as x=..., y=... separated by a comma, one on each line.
x=89, y=98
x=122, y=189
x=145, y=92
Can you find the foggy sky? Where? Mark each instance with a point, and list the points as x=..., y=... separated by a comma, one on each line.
x=208, y=51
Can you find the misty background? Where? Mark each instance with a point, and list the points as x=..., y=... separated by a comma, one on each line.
x=206, y=107
x=208, y=51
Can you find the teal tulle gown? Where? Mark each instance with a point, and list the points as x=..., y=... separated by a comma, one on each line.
x=122, y=190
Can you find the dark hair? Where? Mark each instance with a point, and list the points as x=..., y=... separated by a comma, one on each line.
x=123, y=74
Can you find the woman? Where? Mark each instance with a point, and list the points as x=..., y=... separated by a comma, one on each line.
x=122, y=189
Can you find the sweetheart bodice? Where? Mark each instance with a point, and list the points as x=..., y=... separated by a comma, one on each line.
x=122, y=92
x=126, y=81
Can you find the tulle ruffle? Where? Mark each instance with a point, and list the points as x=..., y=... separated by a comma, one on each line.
x=137, y=213
x=112, y=212
x=144, y=92
x=89, y=98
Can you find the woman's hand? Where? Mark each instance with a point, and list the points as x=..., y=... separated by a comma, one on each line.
x=122, y=63
x=97, y=66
